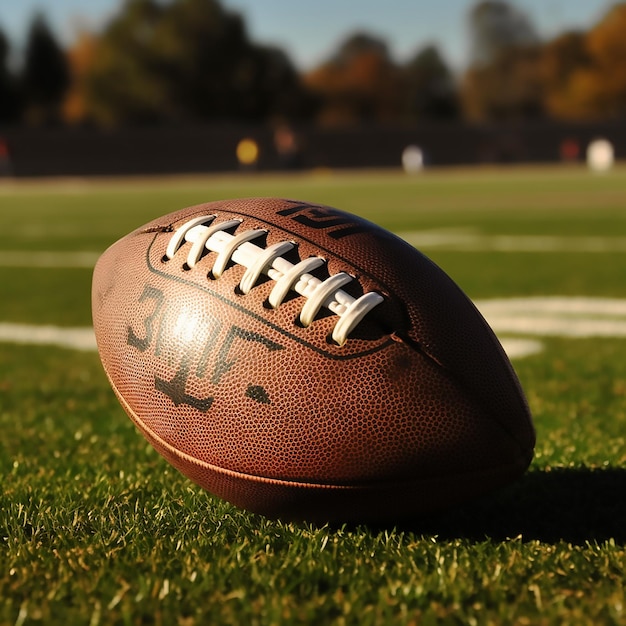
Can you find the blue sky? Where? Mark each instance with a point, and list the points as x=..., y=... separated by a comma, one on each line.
x=309, y=31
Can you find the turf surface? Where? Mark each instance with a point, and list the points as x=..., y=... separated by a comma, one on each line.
x=95, y=528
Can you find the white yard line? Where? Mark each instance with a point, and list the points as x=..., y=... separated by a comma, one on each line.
x=84, y=339
x=556, y=305
x=454, y=240
x=47, y=259
x=556, y=316
x=526, y=318
x=520, y=348
x=73, y=338
x=469, y=241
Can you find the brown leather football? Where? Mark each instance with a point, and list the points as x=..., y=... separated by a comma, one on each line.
x=303, y=363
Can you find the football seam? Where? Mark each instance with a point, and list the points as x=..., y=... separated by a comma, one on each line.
x=417, y=347
x=519, y=464
x=513, y=380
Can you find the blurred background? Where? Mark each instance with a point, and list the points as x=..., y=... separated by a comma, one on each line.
x=111, y=87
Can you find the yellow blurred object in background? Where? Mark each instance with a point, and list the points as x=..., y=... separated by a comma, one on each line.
x=247, y=152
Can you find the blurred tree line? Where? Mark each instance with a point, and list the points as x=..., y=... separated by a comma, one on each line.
x=192, y=60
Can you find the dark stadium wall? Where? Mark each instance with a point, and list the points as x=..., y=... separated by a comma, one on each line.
x=203, y=149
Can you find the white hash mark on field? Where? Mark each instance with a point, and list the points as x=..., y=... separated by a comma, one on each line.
x=525, y=318
x=473, y=241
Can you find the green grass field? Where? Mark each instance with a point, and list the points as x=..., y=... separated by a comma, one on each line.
x=95, y=528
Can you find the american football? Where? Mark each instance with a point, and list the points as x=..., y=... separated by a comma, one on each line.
x=303, y=363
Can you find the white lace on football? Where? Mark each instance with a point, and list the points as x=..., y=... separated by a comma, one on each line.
x=203, y=234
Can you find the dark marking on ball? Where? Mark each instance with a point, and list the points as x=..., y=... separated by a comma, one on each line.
x=256, y=392
x=158, y=229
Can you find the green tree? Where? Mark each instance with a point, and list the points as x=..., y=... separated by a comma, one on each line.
x=503, y=81
x=188, y=59
x=8, y=89
x=431, y=88
x=45, y=76
x=495, y=27
x=126, y=80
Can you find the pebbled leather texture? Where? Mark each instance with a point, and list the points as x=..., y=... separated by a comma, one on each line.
x=419, y=409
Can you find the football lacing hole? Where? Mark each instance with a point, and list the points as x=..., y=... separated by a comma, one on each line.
x=298, y=322
x=186, y=267
x=331, y=342
x=164, y=258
